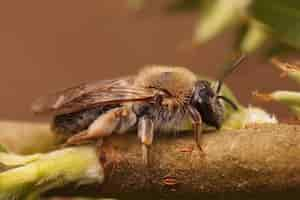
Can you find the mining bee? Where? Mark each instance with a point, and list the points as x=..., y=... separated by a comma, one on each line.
x=156, y=98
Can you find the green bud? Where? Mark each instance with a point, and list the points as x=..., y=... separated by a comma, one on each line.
x=69, y=165
x=292, y=71
x=11, y=159
x=218, y=15
x=288, y=98
x=247, y=117
x=255, y=37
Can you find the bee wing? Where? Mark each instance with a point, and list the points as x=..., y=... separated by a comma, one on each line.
x=92, y=94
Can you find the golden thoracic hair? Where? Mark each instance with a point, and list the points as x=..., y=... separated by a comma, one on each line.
x=178, y=81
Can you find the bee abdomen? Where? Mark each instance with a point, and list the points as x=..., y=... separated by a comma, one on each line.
x=73, y=123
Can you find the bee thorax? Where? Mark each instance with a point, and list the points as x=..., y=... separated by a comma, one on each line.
x=178, y=82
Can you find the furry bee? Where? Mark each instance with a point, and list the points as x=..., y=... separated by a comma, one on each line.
x=156, y=98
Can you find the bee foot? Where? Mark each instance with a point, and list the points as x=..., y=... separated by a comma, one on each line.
x=201, y=151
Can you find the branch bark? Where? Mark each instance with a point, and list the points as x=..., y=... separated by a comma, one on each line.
x=259, y=158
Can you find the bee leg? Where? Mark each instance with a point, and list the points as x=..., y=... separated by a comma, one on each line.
x=116, y=120
x=197, y=126
x=145, y=133
x=198, y=134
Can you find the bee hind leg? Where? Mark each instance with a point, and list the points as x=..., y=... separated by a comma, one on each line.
x=117, y=120
x=146, y=133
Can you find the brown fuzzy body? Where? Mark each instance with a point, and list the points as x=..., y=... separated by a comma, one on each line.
x=178, y=81
x=170, y=114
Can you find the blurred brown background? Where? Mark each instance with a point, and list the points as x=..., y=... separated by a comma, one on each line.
x=48, y=45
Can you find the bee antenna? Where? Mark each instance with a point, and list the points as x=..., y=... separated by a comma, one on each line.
x=231, y=69
x=219, y=86
x=230, y=102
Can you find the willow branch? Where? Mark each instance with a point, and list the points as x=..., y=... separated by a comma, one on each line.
x=258, y=158
x=263, y=158
x=27, y=137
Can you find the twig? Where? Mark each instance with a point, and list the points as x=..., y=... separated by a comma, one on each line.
x=260, y=158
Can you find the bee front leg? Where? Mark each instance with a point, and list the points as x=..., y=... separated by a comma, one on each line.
x=117, y=120
x=197, y=126
x=145, y=133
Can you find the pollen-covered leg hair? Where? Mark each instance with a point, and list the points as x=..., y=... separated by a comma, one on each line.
x=117, y=120
x=146, y=133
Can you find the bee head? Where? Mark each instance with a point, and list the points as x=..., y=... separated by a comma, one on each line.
x=208, y=103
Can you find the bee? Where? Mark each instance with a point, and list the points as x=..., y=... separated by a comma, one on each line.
x=156, y=98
